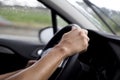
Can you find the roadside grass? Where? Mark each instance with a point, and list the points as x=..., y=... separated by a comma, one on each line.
x=32, y=17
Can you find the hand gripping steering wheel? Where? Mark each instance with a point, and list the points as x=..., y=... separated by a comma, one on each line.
x=69, y=68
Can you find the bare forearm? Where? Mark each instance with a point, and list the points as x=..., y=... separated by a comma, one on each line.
x=68, y=46
x=42, y=69
x=4, y=76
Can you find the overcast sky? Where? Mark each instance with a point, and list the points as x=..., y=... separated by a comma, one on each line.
x=112, y=4
x=31, y=3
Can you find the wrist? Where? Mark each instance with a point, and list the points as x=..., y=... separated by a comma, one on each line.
x=62, y=50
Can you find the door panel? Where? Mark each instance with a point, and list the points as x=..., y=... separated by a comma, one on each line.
x=14, y=54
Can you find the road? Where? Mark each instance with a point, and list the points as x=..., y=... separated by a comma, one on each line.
x=19, y=33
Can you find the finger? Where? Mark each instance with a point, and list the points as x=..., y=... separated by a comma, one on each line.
x=77, y=26
x=85, y=31
x=74, y=26
x=84, y=34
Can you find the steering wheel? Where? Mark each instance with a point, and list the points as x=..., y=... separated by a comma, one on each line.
x=69, y=69
x=88, y=65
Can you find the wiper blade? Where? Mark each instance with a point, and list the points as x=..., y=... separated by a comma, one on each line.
x=93, y=6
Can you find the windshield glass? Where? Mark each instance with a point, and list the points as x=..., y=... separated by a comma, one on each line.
x=104, y=16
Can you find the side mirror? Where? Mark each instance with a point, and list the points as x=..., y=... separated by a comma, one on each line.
x=45, y=34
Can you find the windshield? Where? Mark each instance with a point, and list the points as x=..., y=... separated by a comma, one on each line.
x=104, y=16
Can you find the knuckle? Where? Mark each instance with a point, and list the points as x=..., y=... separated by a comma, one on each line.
x=85, y=44
x=85, y=31
x=65, y=35
x=67, y=42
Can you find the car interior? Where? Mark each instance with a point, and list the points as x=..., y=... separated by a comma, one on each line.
x=101, y=61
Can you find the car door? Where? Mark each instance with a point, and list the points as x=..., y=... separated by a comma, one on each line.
x=19, y=39
x=19, y=29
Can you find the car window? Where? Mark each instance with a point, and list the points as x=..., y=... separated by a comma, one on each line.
x=61, y=22
x=22, y=21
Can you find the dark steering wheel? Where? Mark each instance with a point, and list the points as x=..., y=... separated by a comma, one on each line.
x=69, y=69
x=97, y=63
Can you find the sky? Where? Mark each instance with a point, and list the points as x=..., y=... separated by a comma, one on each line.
x=31, y=3
x=112, y=4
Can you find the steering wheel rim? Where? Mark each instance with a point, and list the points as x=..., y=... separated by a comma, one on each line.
x=92, y=68
x=68, y=64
